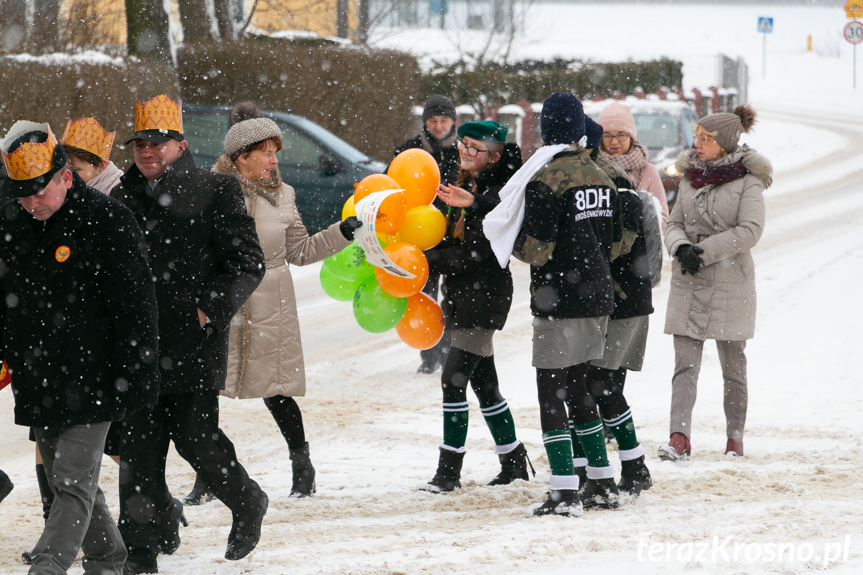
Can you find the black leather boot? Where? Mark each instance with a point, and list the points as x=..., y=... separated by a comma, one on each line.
x=448, y=473
x=169, y=539
x=513, y=465
x=303, y=480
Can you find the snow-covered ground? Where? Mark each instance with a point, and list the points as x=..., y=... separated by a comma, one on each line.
x=792, y=505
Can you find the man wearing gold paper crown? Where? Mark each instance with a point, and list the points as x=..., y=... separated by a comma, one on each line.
x=88, y=149
x=206, y=260
x=80, y=355
x=88, y=146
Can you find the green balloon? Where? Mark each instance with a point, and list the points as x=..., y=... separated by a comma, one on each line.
x=336, y=287
x=350, y=264
x=374, y=309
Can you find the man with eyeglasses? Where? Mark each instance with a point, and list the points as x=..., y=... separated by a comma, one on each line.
x=438, y=138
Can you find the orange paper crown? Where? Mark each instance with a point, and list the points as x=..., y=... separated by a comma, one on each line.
x=89, y=135
x=30, y=159
x=159, y=113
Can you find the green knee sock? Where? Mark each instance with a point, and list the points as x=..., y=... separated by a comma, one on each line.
x=500, y=423
x=623, y=429
x=592, y=441
x=455, y=420
x=558, y=447
x=577, y=449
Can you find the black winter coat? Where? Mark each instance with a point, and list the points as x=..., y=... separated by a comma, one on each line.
x=572, y=218
x=477, y=289
x=204, y=253
x=79, y=319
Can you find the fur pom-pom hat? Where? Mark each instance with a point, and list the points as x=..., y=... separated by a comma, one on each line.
x=729, y=127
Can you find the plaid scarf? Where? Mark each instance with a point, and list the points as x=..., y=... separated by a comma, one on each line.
x=712, y=176
x=632, y=162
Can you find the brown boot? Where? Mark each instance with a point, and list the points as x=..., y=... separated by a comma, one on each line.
x=678, y=448
x=734, y=447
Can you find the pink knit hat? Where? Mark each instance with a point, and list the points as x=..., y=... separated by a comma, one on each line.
x=616, y=117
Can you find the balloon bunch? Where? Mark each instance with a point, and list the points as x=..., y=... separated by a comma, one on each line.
x=405, y=224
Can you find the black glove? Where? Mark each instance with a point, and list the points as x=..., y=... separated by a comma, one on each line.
x=348, y=226
x=690, y=258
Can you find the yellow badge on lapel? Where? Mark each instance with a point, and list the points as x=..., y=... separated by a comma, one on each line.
x=62, y=254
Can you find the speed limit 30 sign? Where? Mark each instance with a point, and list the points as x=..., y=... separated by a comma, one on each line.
x=853, y=32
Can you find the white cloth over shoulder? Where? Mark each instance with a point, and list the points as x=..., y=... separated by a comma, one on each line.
x=502, y=224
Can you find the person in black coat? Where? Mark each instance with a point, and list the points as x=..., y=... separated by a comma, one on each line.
x=478, y=293
x=206, y=260
x=438, y=138
x=80, y=336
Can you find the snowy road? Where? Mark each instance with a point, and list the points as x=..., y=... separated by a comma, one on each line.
x=374, y=426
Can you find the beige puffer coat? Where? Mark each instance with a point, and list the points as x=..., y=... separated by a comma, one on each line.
x=265, y=356
x=726, y=221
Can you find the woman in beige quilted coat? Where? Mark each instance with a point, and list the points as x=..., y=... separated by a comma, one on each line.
x=265, y=352
x=717, y=219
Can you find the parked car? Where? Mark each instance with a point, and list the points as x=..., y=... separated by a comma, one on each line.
x=665, y=128
x=320, y=166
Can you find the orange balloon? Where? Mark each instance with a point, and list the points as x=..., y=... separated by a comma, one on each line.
x=417, y=172
x=421, y=327
x=391, y=213
x=374, y=183
x=411, y=259
x=424, y=226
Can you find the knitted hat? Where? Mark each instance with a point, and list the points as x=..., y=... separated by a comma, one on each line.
x=438, y=105
x=485, y=130
x=31, y=155
x=616, y=117
x=727, y=126
x=562, y=119
x=593, y=131
x=244, y=134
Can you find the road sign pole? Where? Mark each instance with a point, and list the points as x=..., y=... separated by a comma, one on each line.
x=763, y=56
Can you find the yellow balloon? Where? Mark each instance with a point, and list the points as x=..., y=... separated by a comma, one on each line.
x=424, y=227
x=385, y=239
x=349, y=209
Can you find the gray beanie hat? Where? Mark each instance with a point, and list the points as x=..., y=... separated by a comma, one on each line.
x=438, y=105
x=244, y=134
x=727, y=126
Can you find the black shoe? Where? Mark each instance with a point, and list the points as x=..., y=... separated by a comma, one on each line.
x=428, y=366
x=513, y=465
x=245, y=533
x=600, y=493
x=140, y=562
x=199, y=494
x=169, y=541
x=559, y=502
x=634, y=477
x=6, y=485
x=27, y=557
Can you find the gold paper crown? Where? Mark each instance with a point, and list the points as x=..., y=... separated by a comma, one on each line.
x=89, y=135
x=30, y=159
x=159, y=113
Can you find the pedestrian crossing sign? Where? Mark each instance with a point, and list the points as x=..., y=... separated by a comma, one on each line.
x=765, y=25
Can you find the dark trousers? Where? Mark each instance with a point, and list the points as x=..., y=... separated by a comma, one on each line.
x=191, y=421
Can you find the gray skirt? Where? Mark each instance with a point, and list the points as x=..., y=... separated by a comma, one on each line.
x=560, y=343
x=625, y=343
x=475, y=340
